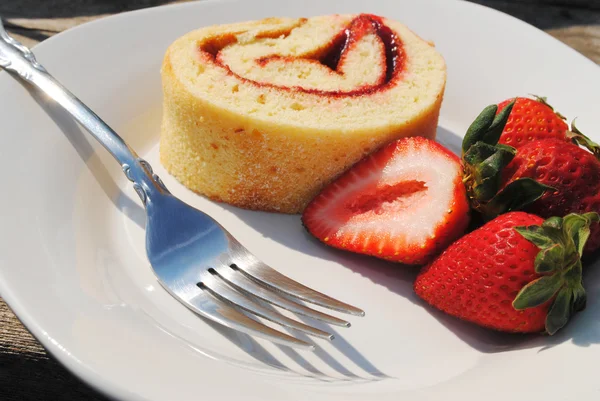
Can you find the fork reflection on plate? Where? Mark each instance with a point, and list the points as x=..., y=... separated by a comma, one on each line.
x=194, y=258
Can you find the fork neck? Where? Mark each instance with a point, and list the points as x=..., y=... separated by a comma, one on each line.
x=146, y=183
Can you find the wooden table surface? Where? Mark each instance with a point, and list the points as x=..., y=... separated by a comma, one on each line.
x=27, y=372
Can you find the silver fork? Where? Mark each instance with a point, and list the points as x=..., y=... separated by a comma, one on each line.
x=194, y=258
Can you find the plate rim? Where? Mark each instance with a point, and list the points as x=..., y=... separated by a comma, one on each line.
x=110, y=388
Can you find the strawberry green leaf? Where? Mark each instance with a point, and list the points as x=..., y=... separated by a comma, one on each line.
x=560, y=311
x=515, y=196
x=579, y=298
x=577, y=228
x=568, y=301
x=549, y=239
x=538, y=292
x=492, y=136
x=561, y=242
x=506, y=148
x=487, y=127
x=483, y=166
x=592, y=217
x=573, y=223
x=536, y=235
x=553, y=222
x=582, y=237
x=573, y=275
x=479, y=126
x=553, y=229
x=580, y=139
x=479, y=152
x=495, y=163
x=549, y=259
x=484, y=159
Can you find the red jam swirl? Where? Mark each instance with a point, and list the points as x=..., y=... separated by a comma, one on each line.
x=333, y=56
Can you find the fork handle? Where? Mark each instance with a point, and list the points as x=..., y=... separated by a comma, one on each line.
x=20, y=61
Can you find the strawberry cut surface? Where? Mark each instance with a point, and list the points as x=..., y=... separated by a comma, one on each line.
x=405, y=202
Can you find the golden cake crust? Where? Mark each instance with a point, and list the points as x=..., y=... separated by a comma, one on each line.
x=272, y=148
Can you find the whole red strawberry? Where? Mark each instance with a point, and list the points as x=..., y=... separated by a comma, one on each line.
x=549, y=177
x=531, y=120
x=572, y=172
x=516, y=273
x=405, y=202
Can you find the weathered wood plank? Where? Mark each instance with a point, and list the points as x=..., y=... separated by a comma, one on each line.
x=548, y=14
x=585, y=39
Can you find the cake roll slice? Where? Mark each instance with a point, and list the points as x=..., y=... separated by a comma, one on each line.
x=263, y=114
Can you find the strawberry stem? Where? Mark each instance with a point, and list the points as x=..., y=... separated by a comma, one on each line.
x=580, y=139
x=561, y=242
x=487, y=127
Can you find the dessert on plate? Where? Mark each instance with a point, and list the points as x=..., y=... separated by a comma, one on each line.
x=335, y=117
x=263, y=114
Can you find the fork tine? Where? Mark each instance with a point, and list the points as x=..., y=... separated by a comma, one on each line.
x=226, y=293
x=216, y=310
x=263, y=274
x=247, y=286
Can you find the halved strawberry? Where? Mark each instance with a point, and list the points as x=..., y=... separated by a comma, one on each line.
x=405, y=202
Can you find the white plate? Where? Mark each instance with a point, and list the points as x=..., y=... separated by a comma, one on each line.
x=72, y=263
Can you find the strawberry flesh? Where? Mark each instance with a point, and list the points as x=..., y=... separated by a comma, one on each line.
x=385, y=194
x=405, y=202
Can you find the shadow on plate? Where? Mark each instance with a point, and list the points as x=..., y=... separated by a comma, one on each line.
x=343, y=372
